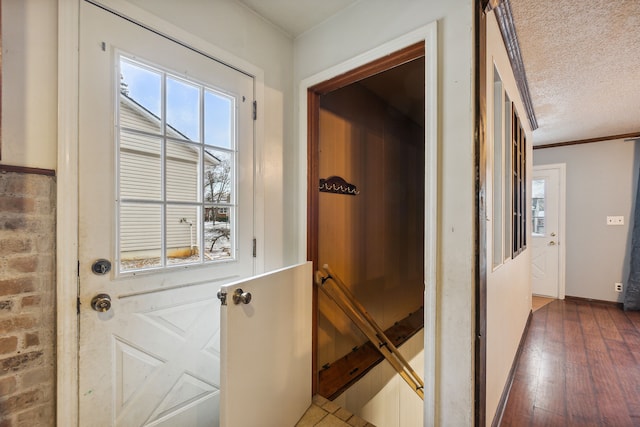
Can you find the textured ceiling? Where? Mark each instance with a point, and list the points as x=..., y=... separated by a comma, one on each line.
x=582, y=62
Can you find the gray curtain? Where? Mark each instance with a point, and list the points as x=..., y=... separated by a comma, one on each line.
x=632, y=295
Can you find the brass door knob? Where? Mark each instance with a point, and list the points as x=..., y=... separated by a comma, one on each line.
x=101, y=303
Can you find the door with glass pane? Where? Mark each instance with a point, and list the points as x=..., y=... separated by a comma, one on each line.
x=165, y=218
x=546, y=232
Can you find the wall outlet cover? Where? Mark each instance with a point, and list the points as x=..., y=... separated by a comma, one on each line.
x=615, y=220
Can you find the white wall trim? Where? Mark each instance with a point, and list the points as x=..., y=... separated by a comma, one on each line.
x=428, y=34
x=563, y=229
x=562, y=219
x=562, y=168
x=67, y=177
x=67, y=216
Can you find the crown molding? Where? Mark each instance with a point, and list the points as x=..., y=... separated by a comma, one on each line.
x=502, y=9
x=632, y=135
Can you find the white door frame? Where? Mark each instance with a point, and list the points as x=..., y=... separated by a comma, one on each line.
x=67, y=178
x=562, y=206
x=429, y=35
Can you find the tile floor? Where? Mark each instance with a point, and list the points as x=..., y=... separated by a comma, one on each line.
x=324, y=413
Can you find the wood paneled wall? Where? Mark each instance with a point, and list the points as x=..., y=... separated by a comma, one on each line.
x=375, y=240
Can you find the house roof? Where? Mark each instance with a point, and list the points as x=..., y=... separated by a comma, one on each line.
x=155, y=121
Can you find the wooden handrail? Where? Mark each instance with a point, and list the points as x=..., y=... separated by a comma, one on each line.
x=347, y=302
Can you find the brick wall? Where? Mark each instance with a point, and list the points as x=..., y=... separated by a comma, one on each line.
x=27, y=300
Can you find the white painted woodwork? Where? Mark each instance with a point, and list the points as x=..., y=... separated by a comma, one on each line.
x=359, y=50
x=546, y=247
x=67, y=216
x=382, y=397
x=153, y=359
x=266, y=350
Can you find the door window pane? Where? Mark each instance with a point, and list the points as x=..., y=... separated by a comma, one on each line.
x=140, y=236
x=219, y=194
x=140, y=97
x=218, y=116
x=183, y=110
x=182, y=234
x=537, y=206
x=176, y=200
x=218, y=233
x=218, y=177
x=183, y=170
x=498, y=142
x=140, y=166
x=507, y=176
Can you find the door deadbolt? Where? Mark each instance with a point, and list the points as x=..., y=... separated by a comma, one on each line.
x=101, y=267
x=241, y=297
x=101, y=303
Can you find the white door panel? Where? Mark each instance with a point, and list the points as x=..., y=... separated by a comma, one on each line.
x=154, y=357
x=546, y=232
x=266, y=345
x=165, y=351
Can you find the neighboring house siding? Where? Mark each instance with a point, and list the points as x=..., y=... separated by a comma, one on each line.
x=182, y=173
x=141, y=178
x=133, y=117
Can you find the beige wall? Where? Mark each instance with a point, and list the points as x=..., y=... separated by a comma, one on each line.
x=601, y=181
x=509, y=284
x=29, y=83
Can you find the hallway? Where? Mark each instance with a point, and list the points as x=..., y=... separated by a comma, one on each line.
x=580, y=365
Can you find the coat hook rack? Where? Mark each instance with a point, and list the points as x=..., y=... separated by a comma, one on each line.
x=337, y=185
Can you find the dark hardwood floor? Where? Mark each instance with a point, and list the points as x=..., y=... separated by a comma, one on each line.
x=580, y=366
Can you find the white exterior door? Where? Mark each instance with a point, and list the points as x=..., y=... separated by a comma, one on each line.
x=266, y=349
x=547, y=231
x=166, y=197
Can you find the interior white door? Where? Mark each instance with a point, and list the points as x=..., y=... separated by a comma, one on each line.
x=546, y=232
x=165, y=197
x=266, y=349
